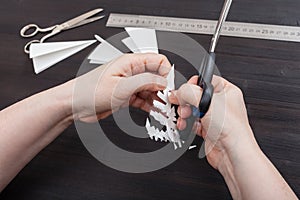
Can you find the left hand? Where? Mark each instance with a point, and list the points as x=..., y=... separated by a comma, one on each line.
x=132, y=79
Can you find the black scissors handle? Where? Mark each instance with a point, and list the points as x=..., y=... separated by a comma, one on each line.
x=205, y=76
x=204, y=82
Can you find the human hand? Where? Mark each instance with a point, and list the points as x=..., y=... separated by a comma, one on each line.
x=132, y=79
x=225, y=127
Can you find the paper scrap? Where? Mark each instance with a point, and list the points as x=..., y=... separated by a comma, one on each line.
x=44, y=55
x=144, y=39
x=104, y=52
x=192, y=147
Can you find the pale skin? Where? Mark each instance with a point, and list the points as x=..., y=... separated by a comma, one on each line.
x=30, y=125
x=229, y=142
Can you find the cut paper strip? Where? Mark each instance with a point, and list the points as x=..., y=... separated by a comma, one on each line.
x=104, y=52
x=171, y=79
x=170, y=86
x=131, y=45
x=100, y=62
x=144, y=39
x=44, y=55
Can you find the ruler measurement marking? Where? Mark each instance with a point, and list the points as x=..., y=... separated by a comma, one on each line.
x=203, y=26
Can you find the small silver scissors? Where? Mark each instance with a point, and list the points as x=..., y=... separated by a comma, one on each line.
x=75, y=22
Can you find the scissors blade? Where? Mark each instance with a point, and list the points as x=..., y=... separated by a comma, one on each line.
x=76, y=20
x=85, y=22
x=223, y=16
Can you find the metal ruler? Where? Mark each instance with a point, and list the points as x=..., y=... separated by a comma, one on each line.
x=202, y=26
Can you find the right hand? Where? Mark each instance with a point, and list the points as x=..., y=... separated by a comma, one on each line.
x=225, y=127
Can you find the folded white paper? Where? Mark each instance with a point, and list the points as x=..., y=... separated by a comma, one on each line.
x=44, y=55
x=131, y=45
x=144, y=39
x=104, y=52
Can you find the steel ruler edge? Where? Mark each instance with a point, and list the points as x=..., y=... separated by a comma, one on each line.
x=203, y=26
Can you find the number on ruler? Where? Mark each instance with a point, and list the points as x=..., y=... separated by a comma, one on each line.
x=236, y=29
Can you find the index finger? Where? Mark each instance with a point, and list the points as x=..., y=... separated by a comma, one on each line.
x=217, y=81
x=137, y=63
x=152, y=63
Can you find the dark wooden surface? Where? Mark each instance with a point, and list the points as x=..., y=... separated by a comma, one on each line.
x=267, y=71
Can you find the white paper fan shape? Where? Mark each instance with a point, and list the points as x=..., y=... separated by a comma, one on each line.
x=104, y=52
x=144, y=39
x=44, y=55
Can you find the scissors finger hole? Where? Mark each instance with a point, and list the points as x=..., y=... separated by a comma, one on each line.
x=29, y=30
x=27, y=46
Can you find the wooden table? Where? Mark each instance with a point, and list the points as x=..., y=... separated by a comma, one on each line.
x=268, y=72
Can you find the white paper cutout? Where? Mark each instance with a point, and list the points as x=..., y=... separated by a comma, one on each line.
x=104, y=52
x=159, y=105
x=171, y=79
x=131, y=45
x=166, y=116
x=44, y=55
x=159, y=117
x=156, y=134
x=144, y=39
x=192, y=147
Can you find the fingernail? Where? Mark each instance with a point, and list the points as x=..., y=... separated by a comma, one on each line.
x=171, y=94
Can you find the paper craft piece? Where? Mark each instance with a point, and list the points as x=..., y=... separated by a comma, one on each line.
x=144, y=39
x=156, y=134
x=44, y=55
x=166, y=116
x=131, y=45
x=104, y=52
x=192, y=147
x=170, y=86
x=159, y=117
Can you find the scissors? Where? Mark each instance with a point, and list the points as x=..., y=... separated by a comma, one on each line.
x=205, y=75
x=75, y=22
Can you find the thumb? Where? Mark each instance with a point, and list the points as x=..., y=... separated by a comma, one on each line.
x=145, y=81
x=186, y=94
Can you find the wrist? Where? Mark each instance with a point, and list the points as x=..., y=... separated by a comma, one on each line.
x=61, y=97
x=226, y=169
x=243, y=146
x=242, y=153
